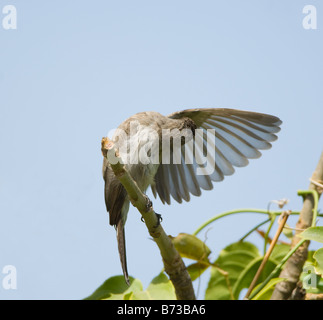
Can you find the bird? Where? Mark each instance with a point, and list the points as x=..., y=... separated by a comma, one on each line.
x=181, y=154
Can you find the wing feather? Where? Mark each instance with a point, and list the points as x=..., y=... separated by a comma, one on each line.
x=238, y=136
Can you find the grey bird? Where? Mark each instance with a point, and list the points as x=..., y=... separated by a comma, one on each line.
x=237, y=136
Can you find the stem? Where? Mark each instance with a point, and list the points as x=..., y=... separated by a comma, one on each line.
x=173, y=263
x=253, y=229
x=315, y=195
x=277, y=269
x=291, y=252
x=223, y=214
x=227, y=280
x=282, y=223
x=294, y=267
x=272, y=218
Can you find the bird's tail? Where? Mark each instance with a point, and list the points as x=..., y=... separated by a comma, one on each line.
x=122, y=249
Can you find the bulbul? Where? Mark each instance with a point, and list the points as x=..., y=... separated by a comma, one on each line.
x=180, y=154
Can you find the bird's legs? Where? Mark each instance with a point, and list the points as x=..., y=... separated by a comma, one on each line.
x=149, y=206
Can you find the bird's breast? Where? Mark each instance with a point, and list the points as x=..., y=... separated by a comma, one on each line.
x=139, y=151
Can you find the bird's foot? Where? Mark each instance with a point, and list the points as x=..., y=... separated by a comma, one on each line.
x=149, y=204
x=159, y=219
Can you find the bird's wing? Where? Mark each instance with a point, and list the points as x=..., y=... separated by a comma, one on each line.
x=238, y=136
x=117, y=205
x=114, y=193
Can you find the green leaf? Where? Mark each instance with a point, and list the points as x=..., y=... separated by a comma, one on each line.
x=288, y=232
x=190, y=246
x=312, y=282
x=140, y=295
x=313, y=233
x=310, y=258
x=161, y=288
x=267, y=290
x=115, y=288
x=196, y=269
x=235, y=269
x=279, y=252
x=218, y=288
x=245, y=278
x=135, y=287
x=231, y=263
x=319, y=286
x=318, y=257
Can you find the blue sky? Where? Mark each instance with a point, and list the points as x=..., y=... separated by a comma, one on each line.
x=72, y=71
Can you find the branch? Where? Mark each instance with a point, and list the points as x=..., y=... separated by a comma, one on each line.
x=314, y=296
x=227, y=213
x=284, y=217
x=173, y=263
x=294, y=265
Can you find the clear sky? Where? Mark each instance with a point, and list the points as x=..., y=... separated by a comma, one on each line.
x=74, y=70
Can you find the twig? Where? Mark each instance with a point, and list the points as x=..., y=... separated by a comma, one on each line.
x=227, y=280
x=320, y=185
x=314, y=296
x=307, y=218
x=173, y=263
x=294, y=229
x=283, y=218
x=253, y=229
x=248, y=210
x=266, y=237
x=277, y=269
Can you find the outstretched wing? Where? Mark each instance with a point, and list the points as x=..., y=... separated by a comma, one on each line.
x=238, y=136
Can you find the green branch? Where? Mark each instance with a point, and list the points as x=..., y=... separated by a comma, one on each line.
x=278, y=268
x=254, y=228
x=173, y=263
x=227, y=213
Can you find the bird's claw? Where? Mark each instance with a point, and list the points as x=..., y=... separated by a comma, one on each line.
x=149, y=204
x=159, y=219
